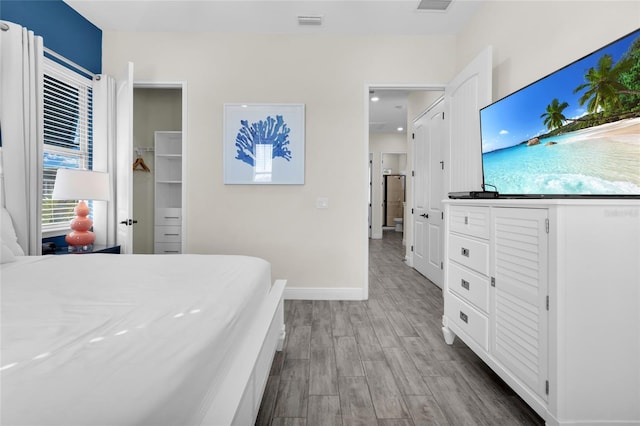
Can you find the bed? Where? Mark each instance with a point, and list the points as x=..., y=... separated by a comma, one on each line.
x=103, y=339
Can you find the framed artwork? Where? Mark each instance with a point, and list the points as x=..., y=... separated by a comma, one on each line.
x=263, y=144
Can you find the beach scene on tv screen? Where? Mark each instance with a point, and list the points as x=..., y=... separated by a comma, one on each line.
x=576, y=131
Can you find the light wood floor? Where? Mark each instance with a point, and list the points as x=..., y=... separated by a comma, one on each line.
x=383, y=361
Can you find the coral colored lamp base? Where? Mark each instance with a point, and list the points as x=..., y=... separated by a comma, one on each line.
x=80, y=239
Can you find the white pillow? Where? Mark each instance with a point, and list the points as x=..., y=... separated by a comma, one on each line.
x=8, y=235
x=6, y=255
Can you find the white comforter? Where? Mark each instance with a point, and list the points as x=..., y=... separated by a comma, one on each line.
x=107, y=339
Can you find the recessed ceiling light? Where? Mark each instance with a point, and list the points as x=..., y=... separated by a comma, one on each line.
x=400, y=129
x=375, y=99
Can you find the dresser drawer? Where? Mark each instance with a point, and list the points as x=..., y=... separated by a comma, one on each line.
x=471, y=253
x=168, y=234
x=470, y=220
x=168, y=248
x=470, y=286
x=468, y=319
x=168, y=217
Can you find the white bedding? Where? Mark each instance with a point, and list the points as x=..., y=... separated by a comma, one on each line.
x=106, y=339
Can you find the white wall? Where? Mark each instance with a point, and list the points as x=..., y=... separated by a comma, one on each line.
x=310, y=247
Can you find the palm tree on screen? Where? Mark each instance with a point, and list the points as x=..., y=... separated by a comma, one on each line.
x=553, y=117
x=603, y=85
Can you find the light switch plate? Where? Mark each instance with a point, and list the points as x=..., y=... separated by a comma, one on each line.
x=322, y=203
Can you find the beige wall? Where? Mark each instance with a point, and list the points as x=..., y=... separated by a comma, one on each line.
x=312, y=248
x=531, y=39
x=153, y=109
x=328, y=248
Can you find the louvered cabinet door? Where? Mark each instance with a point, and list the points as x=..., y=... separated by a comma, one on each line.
x=519, y=315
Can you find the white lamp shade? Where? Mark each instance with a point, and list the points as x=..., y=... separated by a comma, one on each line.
x=74, y=184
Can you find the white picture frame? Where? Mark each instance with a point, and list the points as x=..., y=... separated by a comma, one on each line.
x=264, y=144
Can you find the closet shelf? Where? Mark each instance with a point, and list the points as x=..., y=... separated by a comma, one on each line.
x=168, y=192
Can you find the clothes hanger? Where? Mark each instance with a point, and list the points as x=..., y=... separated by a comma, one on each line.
x=140, y=162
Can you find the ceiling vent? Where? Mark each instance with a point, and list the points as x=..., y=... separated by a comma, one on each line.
x=309, y=20
x=440, y=5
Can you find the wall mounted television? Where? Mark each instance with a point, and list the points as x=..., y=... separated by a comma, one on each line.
x=574, y=133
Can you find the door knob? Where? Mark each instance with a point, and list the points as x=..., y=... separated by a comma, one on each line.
x=426, y=216
x=128, y=222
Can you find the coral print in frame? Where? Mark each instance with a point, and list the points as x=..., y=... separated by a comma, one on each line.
x=263, y=144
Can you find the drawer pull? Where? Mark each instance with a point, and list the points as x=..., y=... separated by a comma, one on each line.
x=464, y=252
x=464, y=317
x=172, y=217
x=171, y=235
x=464, y=283
x=171, y=251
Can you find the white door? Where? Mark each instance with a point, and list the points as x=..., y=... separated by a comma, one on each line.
x=435, y=194
x=455, y=164
x=464, y=96
x=124, y=159
x=420, y=208
x=370, y=194
x=429, y=192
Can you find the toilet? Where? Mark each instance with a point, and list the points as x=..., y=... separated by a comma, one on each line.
x=398, y=222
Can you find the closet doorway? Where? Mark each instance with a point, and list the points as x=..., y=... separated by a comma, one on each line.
x=156, y=108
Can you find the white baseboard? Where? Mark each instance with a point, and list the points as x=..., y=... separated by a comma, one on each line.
x=320, y=293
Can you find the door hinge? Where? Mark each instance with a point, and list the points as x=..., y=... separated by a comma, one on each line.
x=413, y=135
x=411, y=248
x=546, y=225
x=547, y=302
x=411, y=211
x=546, y=387
x=443, y=115
x=441, y=265
x=413, y=173
x=442, y=165
x=442, y=214
x=493, y=281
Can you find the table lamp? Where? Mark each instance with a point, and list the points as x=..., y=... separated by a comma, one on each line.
x=76, y=184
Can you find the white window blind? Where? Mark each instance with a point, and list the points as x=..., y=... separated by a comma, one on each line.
x=68, y=129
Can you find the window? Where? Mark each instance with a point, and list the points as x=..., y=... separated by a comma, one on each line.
x=68, y=137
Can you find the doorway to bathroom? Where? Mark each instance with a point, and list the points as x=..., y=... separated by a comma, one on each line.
x=393, y=181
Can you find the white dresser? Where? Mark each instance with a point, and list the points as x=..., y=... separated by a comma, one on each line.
x=168, y=193
x=547, y=293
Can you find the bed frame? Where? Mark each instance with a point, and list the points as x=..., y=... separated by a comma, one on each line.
x=238, y=398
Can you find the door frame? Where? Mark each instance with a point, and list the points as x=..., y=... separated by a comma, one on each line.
x=182, y=85
x=365, y=158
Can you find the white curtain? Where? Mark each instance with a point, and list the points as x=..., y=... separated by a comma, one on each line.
x=21, y=123
x=104, y=156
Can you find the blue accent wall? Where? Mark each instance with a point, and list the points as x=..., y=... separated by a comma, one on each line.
x=64, y=30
